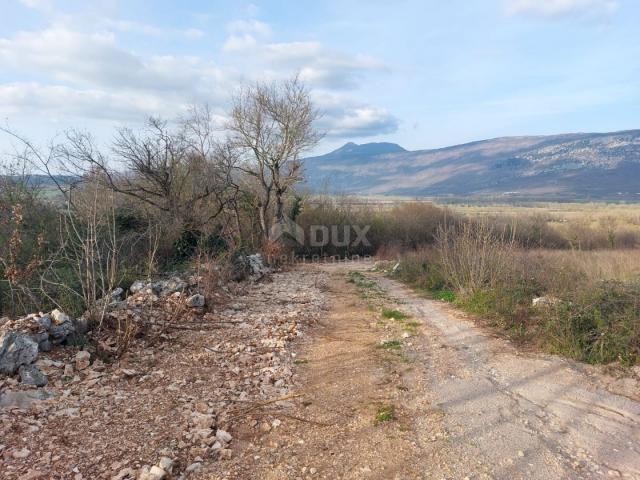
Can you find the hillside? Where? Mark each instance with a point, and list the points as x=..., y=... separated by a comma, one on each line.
x=578, y=166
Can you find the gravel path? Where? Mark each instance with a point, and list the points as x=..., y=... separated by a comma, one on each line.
x=466, y=404
x=522, y=415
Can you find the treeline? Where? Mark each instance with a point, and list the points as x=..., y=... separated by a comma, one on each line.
x=150, y=201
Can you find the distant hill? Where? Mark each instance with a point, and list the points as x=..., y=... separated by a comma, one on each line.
x=38, y=180
x=577, y=166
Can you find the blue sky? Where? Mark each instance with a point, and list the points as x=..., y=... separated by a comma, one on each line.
x=420, y=73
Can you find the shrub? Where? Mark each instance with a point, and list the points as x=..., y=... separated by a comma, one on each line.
x=596, y=318
x=599, y=324
x=472, y=256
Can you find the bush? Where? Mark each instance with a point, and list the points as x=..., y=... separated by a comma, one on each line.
x=599, y=324
x=473, y=256
x=596, y=321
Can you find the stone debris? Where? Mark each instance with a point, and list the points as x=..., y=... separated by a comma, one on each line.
x=195, y=301
x=170, y=406
x=545, y=301
x=82, y=360
x=31, y=375
x=249, y=267
x=16, y=349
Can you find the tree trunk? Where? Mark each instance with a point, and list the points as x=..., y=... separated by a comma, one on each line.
x=279, y=216
x=262, y=217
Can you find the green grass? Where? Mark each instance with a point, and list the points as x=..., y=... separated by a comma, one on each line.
x=385, y=413
x=445, y=295
x=596, y=321
x=391, y=345
x=393, y=314
x=359, y=280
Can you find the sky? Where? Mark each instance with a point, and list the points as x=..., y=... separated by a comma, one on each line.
x=421, y=73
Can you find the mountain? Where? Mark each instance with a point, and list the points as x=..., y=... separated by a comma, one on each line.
x=576, y=166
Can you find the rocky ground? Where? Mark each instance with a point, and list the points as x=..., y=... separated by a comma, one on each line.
x=327, y=372
x=170, y=406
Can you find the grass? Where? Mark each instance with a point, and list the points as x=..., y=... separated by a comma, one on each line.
x=359, y=280
x=300, y=361
x=385, y=413
x=444, y=295
x=393, y=314
x=368, y=289
x=411, y=327
x=391, y=345
x=597, y=318
x=402, y=318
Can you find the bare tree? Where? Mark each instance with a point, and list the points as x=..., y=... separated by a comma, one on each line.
x=270, y=126
x=179, y=172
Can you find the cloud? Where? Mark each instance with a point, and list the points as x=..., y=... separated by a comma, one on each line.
x=140, y=28
x=89, y=75
x=317, y=65
x=42, y=5
x=58, y=102
x=132, y=27
x=244, y=35
x=96, y=60
x=249, y=26
x=71, y=73
x=344, y=118
x=559, y=8
x=239, y=43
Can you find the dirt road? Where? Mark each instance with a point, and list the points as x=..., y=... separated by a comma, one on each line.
x=434, y=396
x=321, y=372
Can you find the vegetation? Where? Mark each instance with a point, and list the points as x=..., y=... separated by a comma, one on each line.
x=174, y=193
x=385, y=413
x=590, y=303
x=155, y=200
x=391, y=345
x=393, y=314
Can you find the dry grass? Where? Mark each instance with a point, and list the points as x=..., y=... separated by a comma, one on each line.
x=620, y=264
x=583, y=225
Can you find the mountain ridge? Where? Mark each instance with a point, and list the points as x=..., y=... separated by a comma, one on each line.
x=568, y=166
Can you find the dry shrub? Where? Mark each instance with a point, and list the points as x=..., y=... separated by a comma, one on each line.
x=390, y=252
x=213, y=272
x=473, y=256
x=594, y=265
x=405, y=226
x=274, y=254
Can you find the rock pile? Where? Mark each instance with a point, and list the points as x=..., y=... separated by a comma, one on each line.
x=21, y=340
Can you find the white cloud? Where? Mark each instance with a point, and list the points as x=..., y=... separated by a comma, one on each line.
x=239, y=43
x=42, y=5
x=90, y=75
x=193, y=33
x=558, y=8
x=249, y=26
x=345, y=118
x=132, y=27
x=244, y=35
x=96, y=60
x=58, y=102
x=139, y=28
x=317, y=65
